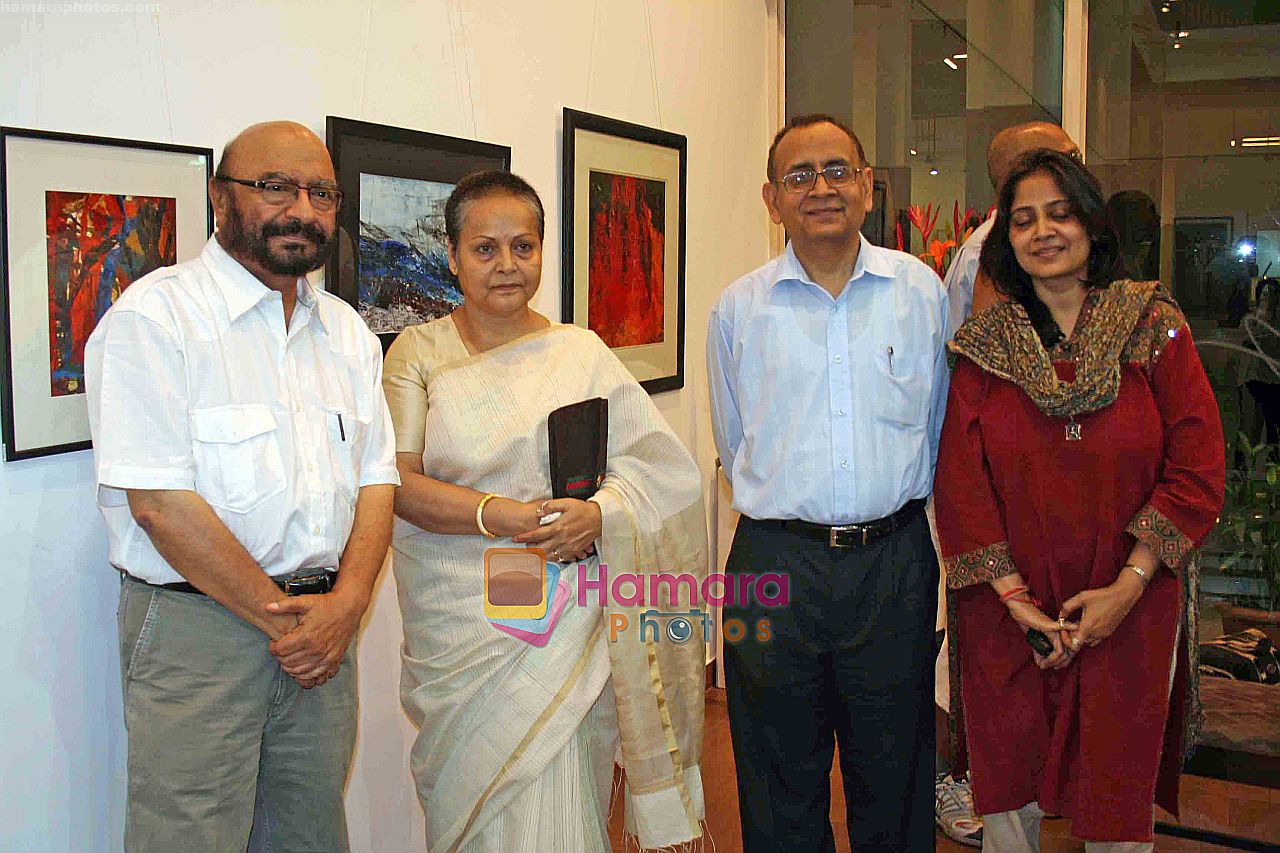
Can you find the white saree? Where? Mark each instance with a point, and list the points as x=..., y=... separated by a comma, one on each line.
x=516, y=744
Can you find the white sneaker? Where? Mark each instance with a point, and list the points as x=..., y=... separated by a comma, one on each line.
x=953, y=810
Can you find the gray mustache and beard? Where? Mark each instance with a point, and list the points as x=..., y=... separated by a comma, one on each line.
x=288, y=260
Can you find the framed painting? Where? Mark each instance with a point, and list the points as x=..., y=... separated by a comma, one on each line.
x=624, y=242
x=873, y=227
x=1206, y=267
x=81, y=219
x=392, y=260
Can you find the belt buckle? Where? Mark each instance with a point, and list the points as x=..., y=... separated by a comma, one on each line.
x=836, y=539
x=316, y=583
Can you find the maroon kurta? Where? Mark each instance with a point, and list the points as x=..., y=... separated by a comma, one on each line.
x=1012, y=494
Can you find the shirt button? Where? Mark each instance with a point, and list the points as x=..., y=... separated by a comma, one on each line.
x=315, y=530
x=838, y=359
x=844, y=463
x=839, y=413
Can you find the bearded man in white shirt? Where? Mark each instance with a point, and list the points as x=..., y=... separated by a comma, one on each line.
x=246, y=473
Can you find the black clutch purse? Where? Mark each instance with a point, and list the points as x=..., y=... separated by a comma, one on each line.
x=578, y=443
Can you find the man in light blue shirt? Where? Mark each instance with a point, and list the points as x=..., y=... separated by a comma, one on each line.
x=828, y=380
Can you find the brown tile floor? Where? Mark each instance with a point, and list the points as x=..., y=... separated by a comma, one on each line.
x=1206, y=803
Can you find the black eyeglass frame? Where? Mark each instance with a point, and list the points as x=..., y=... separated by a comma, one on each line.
x=262, y=184
x=854, y=172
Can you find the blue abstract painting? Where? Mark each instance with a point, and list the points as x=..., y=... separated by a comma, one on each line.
x=404, y=264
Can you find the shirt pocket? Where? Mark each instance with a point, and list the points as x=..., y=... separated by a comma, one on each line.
x=348, y=431
x=238, y=460
x=902, y=389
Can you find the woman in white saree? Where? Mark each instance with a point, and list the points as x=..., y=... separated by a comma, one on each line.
x=517, y=743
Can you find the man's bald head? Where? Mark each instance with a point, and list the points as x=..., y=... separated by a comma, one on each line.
x=275, y=236
x=255, y=145
x=1012, y=142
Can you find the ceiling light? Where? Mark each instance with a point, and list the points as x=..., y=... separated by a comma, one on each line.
x=1183, y=34
x=1260, y=141
x=1165, y=8
x=913, y=151
x=959, y=56
x=1233, y=143
x=1177, y=45
x=1245, y=249
x=933, y=171
x=951, y=63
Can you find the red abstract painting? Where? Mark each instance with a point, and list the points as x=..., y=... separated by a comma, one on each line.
x=627, y=259
x=98, y=245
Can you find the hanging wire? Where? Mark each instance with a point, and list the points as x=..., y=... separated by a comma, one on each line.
x=973, y=49
x=164, y=74
x=591, y=51
x=364, y=59
x=458, y=44
x=653, y=66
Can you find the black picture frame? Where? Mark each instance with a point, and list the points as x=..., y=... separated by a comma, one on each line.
x=36, y=166
x=651, y=163
x=1197, y=241
x=873, y=227
x=361, y=148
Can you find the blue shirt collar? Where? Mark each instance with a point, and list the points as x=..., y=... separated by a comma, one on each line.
x=872, y=260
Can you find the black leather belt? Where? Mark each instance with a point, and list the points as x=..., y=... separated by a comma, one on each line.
x=852, y=535
x=303, y=582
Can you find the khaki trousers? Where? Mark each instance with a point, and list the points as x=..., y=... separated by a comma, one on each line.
x=221, y=741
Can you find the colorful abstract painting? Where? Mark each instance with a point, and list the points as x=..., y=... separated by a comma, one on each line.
x=98, y=245
x=404, y=262
x=627, y=263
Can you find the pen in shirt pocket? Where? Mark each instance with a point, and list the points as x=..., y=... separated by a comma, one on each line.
x=342, y=432
x=889, y=352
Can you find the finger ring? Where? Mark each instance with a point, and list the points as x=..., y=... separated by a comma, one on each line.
x=542, y=508
x=1062, y=622
x=1075, y=641
x=555, y=554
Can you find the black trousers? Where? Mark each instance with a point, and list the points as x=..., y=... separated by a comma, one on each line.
x=849, y=659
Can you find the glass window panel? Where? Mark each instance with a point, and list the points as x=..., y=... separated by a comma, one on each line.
x=925, y=84
x=1181, y=107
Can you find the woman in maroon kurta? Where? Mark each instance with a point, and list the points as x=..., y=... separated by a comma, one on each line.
x=1076, y=474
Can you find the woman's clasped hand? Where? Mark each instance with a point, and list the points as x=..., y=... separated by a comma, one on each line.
x=571, y=536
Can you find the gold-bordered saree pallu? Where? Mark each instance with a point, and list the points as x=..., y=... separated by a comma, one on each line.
x=494, y=712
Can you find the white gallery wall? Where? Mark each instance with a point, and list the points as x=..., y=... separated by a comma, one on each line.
x=197, y=71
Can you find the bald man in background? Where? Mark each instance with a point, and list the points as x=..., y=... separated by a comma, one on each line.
x=968, y=292
x=246, y=471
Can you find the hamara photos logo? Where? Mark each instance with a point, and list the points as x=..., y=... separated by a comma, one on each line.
x=524, y=596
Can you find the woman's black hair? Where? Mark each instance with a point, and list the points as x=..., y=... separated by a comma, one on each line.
x=1084, y=196
x=478, y=185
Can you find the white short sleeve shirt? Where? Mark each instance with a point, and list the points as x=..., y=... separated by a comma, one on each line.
x=195, y=383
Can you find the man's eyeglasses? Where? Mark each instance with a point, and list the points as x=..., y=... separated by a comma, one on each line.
x=803, y=180
x=280, y=192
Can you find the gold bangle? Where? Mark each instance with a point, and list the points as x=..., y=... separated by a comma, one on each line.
x=1141, y=572
x=480, y=515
